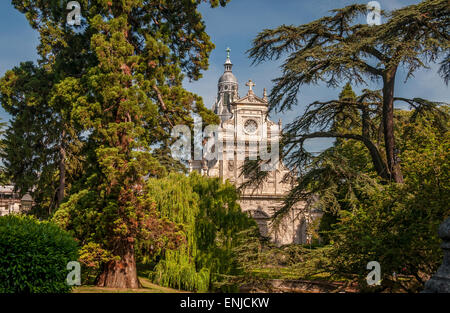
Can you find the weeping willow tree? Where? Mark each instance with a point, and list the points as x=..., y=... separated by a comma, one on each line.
x=177, y=202
x=212, y=221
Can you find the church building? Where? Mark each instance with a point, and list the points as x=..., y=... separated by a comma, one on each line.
x=244, y=127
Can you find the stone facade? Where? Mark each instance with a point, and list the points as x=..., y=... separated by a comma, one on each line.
x=244, y=126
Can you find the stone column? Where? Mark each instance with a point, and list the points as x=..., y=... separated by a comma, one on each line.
x=440, y=282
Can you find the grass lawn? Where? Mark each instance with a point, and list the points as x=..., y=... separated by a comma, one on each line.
x=147, y=287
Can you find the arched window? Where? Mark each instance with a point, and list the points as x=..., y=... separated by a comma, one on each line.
x=226, y=99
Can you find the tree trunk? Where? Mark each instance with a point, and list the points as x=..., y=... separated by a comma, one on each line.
x=377, y=160
x=122, y=273
x=62, y=175
x=378, y=163
x=388, y=125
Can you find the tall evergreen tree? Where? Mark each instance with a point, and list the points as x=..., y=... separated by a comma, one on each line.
x=41, y=147
x=131, y=58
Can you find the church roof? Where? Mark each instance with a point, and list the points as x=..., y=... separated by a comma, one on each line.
x=228, y=77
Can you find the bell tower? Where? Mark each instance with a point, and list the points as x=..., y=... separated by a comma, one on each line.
x=227, y=91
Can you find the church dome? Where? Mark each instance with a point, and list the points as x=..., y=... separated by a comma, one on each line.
x=228, y=77
x=227, y=91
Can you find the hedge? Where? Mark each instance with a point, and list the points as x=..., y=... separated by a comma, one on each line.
x=34, y=256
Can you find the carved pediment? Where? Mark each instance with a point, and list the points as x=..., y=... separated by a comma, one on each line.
x=251, y=99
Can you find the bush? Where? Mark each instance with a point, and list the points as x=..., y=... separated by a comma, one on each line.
x=92, y=257
x=34, y=256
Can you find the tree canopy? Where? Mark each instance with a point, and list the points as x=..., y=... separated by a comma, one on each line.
x=337, y=48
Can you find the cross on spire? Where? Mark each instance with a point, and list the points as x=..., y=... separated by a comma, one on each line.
x=250, y=85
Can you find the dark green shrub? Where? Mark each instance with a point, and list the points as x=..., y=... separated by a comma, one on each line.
x=34, y=256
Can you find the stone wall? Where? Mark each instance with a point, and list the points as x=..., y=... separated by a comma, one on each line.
x=293, y=226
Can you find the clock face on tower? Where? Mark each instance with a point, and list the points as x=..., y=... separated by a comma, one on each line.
x=250, y=126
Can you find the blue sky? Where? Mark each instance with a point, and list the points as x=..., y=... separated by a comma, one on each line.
x=235, y=26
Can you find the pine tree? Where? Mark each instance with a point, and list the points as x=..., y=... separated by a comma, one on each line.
x=336, y=47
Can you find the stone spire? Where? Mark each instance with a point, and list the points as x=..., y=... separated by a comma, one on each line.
x=228, y=65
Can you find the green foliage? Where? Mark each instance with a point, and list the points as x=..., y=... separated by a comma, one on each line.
x=327, y=221
x=36, y=133
x=347, y=93
x=211, y=220
x=177, y=270
x=34, y=256
x=367, y=218
x=92, y=257
x=260, y=260
x=394, y=224
x=81, y=217
x=394, y=228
